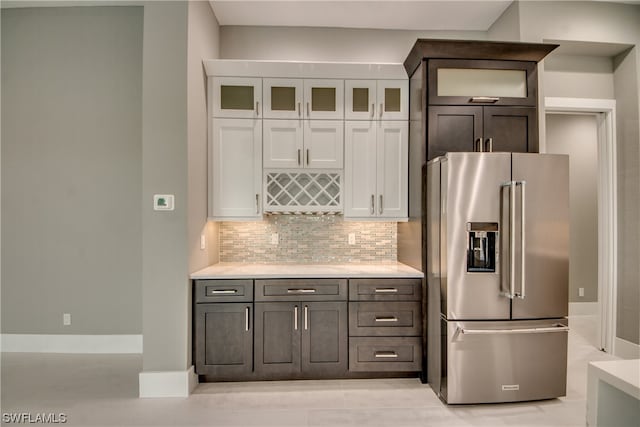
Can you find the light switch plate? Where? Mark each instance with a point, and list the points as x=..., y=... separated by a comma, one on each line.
x=163, y=202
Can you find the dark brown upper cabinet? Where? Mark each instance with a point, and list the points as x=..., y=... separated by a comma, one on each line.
x=481, y=82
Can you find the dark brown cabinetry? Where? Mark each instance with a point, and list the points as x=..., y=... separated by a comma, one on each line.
x=223, y=328
x=385, y=325
x=304, y=333
x=476, y=128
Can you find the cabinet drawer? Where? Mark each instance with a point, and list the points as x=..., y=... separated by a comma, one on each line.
x=223, y=290
x=385, y=289
x=396, y=354
x=385, y=319
x=301, y=289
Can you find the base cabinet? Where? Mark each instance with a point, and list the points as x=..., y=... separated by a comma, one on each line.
x=301, y=339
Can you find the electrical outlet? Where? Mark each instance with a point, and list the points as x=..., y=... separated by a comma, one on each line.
x=203, y=242
x=352, y=238
x=580, y=292
x=66, y=319
x=275, y=239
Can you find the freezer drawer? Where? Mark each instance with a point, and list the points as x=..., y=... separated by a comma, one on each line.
x=505, y=361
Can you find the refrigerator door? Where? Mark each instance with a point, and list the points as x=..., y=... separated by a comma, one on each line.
x=542, y=291
x=505, y=361
x=470, y=228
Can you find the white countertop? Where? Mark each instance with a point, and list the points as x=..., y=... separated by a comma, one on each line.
x=233, y=270
x=622, y=374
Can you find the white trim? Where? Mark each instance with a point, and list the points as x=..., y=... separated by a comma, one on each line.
x=583, y=309
x=306, y=70
x=53, y=343
x=167, y=383
x=605, y=112
x=626, y=349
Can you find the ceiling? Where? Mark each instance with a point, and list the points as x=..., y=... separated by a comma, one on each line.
x=474, y=15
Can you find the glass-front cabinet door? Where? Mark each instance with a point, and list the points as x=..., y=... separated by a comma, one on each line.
x=393, y=100
x=323, y=99
x=482, y=82
x=282, y=98
x=237, y=97
x=359, y=99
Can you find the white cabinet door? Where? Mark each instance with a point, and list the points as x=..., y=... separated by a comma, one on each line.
x=282, y=98
x=360, y=169
x=359, y=99
x=236, y=169
x=237, y=97
x=283, y=143
x=393, y=100
x=392, y=169
x=324, y=99
x=323, y=144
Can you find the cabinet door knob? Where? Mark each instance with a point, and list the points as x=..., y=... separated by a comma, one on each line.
x=477, y=145
x=295, y=318
x=381, y=109
x=373, y=202
x=307, y=157
x=257, y=204
x=299, y=157
x=299, y=110
x=306, y=315
x=257, y=108
x=246, y=318
x=308, y=114
x=380, y=208
x=373, y=110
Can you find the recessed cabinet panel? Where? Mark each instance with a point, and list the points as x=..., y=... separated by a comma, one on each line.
x=324, y=338
x=277, y=339
x=283, y=143
x=236, y=159
x=323, y=144
x=453, y=128
x=236, y=97
x=283, y=98
x=360, y=168
x=324, y=99
x=393, y=151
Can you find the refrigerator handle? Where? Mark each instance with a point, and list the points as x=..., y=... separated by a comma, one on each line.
x=522, y=238
x=511, y=186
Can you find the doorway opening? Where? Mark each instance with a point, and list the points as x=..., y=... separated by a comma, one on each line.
x=585, y=129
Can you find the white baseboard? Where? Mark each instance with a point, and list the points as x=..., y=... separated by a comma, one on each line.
x=584, y=309
x=626, y=349
x=167, y=383
x=55, y=343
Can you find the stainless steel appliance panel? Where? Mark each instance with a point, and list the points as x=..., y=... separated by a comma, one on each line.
x=505, y=361
x=470, y=194
x=546, y=230
x=432, y=275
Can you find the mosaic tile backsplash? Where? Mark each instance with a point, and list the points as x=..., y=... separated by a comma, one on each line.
x=320, y=239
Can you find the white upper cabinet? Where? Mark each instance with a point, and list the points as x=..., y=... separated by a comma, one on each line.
x=376, y=100
x=283, y=145
x=323, y=144
x=236, y=169
x=283, y=98
x=376, y=162
x=393, y=100
x=392, y=169
x=360, y=99
x=296, y=144
x=236, y=97
x=323, y=99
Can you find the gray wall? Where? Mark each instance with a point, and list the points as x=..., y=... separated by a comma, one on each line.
x=627, y=126
x=578, y=76
x=165, y=284
x=326, y=44
x=507, y=26
x=577, y=136
x=71, y=155
x=203, y=43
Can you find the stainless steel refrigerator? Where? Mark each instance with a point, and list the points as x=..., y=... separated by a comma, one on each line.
x=497, y=276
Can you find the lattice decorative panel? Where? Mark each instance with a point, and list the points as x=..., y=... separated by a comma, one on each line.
x=303, y=192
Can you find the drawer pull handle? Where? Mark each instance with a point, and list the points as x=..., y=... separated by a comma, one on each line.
x=386, y=290
x=386, y=355
x=301, y=291
x=387, y=319
x=485, y=99
x=223, y=291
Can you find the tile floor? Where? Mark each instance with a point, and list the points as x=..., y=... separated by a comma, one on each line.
x=101, y=390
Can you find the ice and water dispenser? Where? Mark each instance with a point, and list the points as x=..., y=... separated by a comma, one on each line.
x=482, y=238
